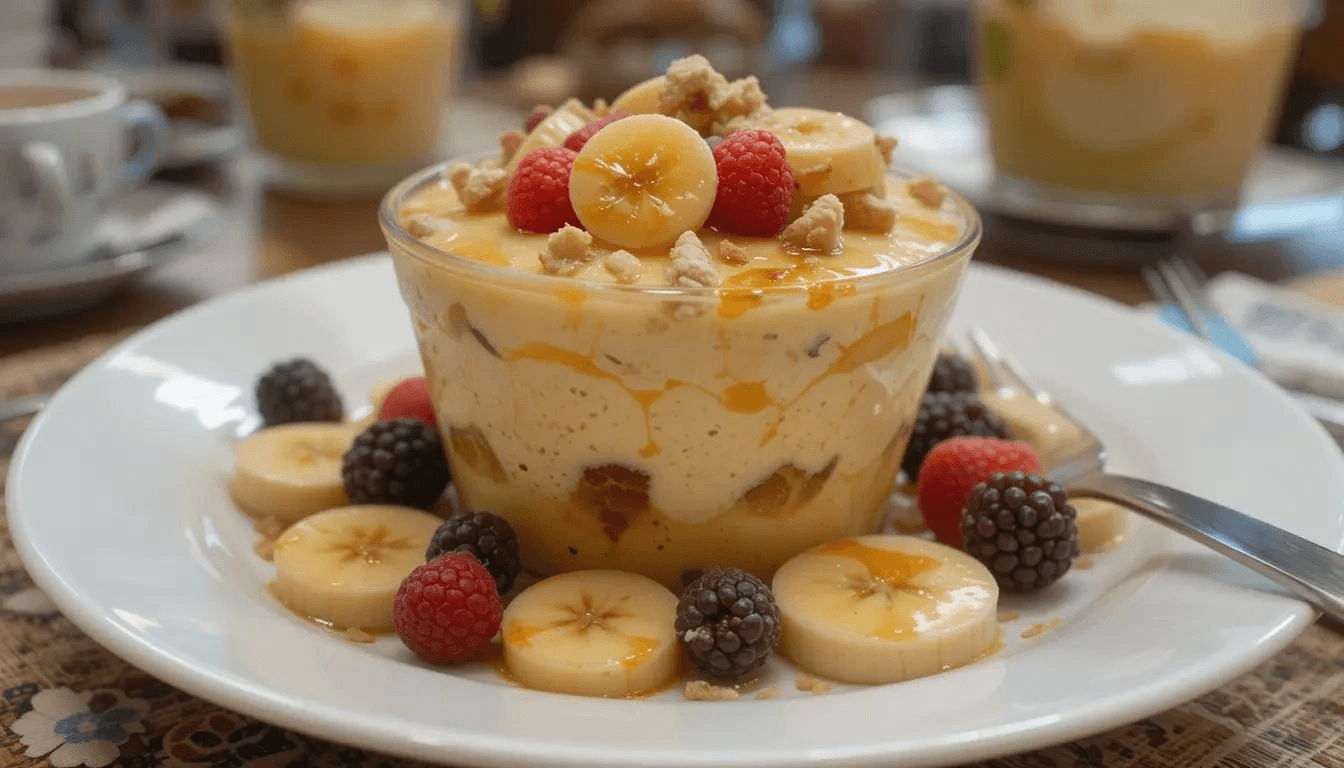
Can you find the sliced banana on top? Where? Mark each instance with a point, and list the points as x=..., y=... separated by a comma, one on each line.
x=830, y=152
x=343, y=566
x=593, y=633
x=643, y=181
x=880, y=609
x=642, y=98
x=552, y=130
x=291, y=470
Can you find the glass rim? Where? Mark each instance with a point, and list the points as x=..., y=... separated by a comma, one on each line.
x=504, y=276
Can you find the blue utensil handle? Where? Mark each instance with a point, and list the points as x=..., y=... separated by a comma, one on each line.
x=149, y=129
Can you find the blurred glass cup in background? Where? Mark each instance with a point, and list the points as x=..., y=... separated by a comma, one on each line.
x=1133, y=103
x=344, y=95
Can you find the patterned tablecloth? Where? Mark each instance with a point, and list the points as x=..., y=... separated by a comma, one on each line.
x=65, y=701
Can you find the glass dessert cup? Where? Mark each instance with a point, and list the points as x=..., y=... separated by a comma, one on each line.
x=1157, y=105
x=344, y=94
x=657, y=429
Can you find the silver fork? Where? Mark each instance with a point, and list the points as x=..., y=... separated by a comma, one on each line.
x=1308, y=570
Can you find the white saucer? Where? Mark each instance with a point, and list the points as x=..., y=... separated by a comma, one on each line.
x=145, y=229
x=942, y=132
x=118, y=506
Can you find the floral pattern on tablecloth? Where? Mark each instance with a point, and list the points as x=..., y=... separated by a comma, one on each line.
x=64, y=701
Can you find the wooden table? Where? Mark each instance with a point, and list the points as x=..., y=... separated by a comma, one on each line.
x=1285, y=713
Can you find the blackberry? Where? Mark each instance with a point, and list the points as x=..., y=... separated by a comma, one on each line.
x=297, y=390
x=486, y=536
x=397, y=461
x=1023, y=528
x=943, y=415
x=727, y=622
x=952, y=374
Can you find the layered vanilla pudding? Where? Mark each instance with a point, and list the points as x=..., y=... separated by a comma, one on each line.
x=1134, y=98
x=682, y=331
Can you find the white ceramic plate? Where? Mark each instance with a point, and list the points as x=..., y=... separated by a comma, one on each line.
x=117, y=503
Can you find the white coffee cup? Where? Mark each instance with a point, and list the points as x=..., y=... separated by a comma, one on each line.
x=65, y=151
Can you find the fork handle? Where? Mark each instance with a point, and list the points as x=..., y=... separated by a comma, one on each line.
x=1308, y=570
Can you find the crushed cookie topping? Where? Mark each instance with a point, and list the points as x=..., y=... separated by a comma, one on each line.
x=697, y=94
x=868, y=212
x=928, y=192
x=700, y=690
x=623, y=265
x=509, y=142
x=732, y=253
x=479, y=187
x=818, y=229
x=690, y=265
x=567, y=250
x=424, y=224
x=885, y=145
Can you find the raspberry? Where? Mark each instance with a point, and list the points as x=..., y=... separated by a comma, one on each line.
x=538, y=114
x=409, y=399
x=488, y=537
x=755, y=185
x=447, y=609
x=580, y=137
x=538, y=196
x=1023, y=528
x=954, y=468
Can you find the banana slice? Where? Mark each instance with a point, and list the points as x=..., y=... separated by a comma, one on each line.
x=552, y=130
x=291, y=470
x=641, y=98
x=593, y=633
x=880, y=609
x=343, y=566
x=830, y=153
x=1101, y=524
x=643, y=181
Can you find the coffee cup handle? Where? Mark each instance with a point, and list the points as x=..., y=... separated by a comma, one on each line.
x=149, y=128
x=47, y=164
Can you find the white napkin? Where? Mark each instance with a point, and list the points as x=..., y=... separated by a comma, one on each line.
x=1299, y=340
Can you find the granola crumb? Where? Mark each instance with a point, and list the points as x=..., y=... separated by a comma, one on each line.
x=509, y=142
x=480, y=187
x=623, y=265
x=265, y=549
x=1039, y=628
x=601, y=108
x=885, y=145
x=696, y=93
x=424, y=224
x=270, y=526
x=357, y=635
x=928, y=192
x=699, y=690
x=690, y=265
x=732, y=253
x=1007, y=616
x=811, y=684
x=567, y=249
x=768, y=693
x=1085, y=563
x=867, y=212
x=818, y=229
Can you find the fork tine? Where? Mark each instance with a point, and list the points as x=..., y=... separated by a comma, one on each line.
x=1005, y=372
x=1185, y=299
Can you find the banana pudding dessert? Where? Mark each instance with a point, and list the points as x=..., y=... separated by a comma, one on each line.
x=677, y=351
x=683, y=331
